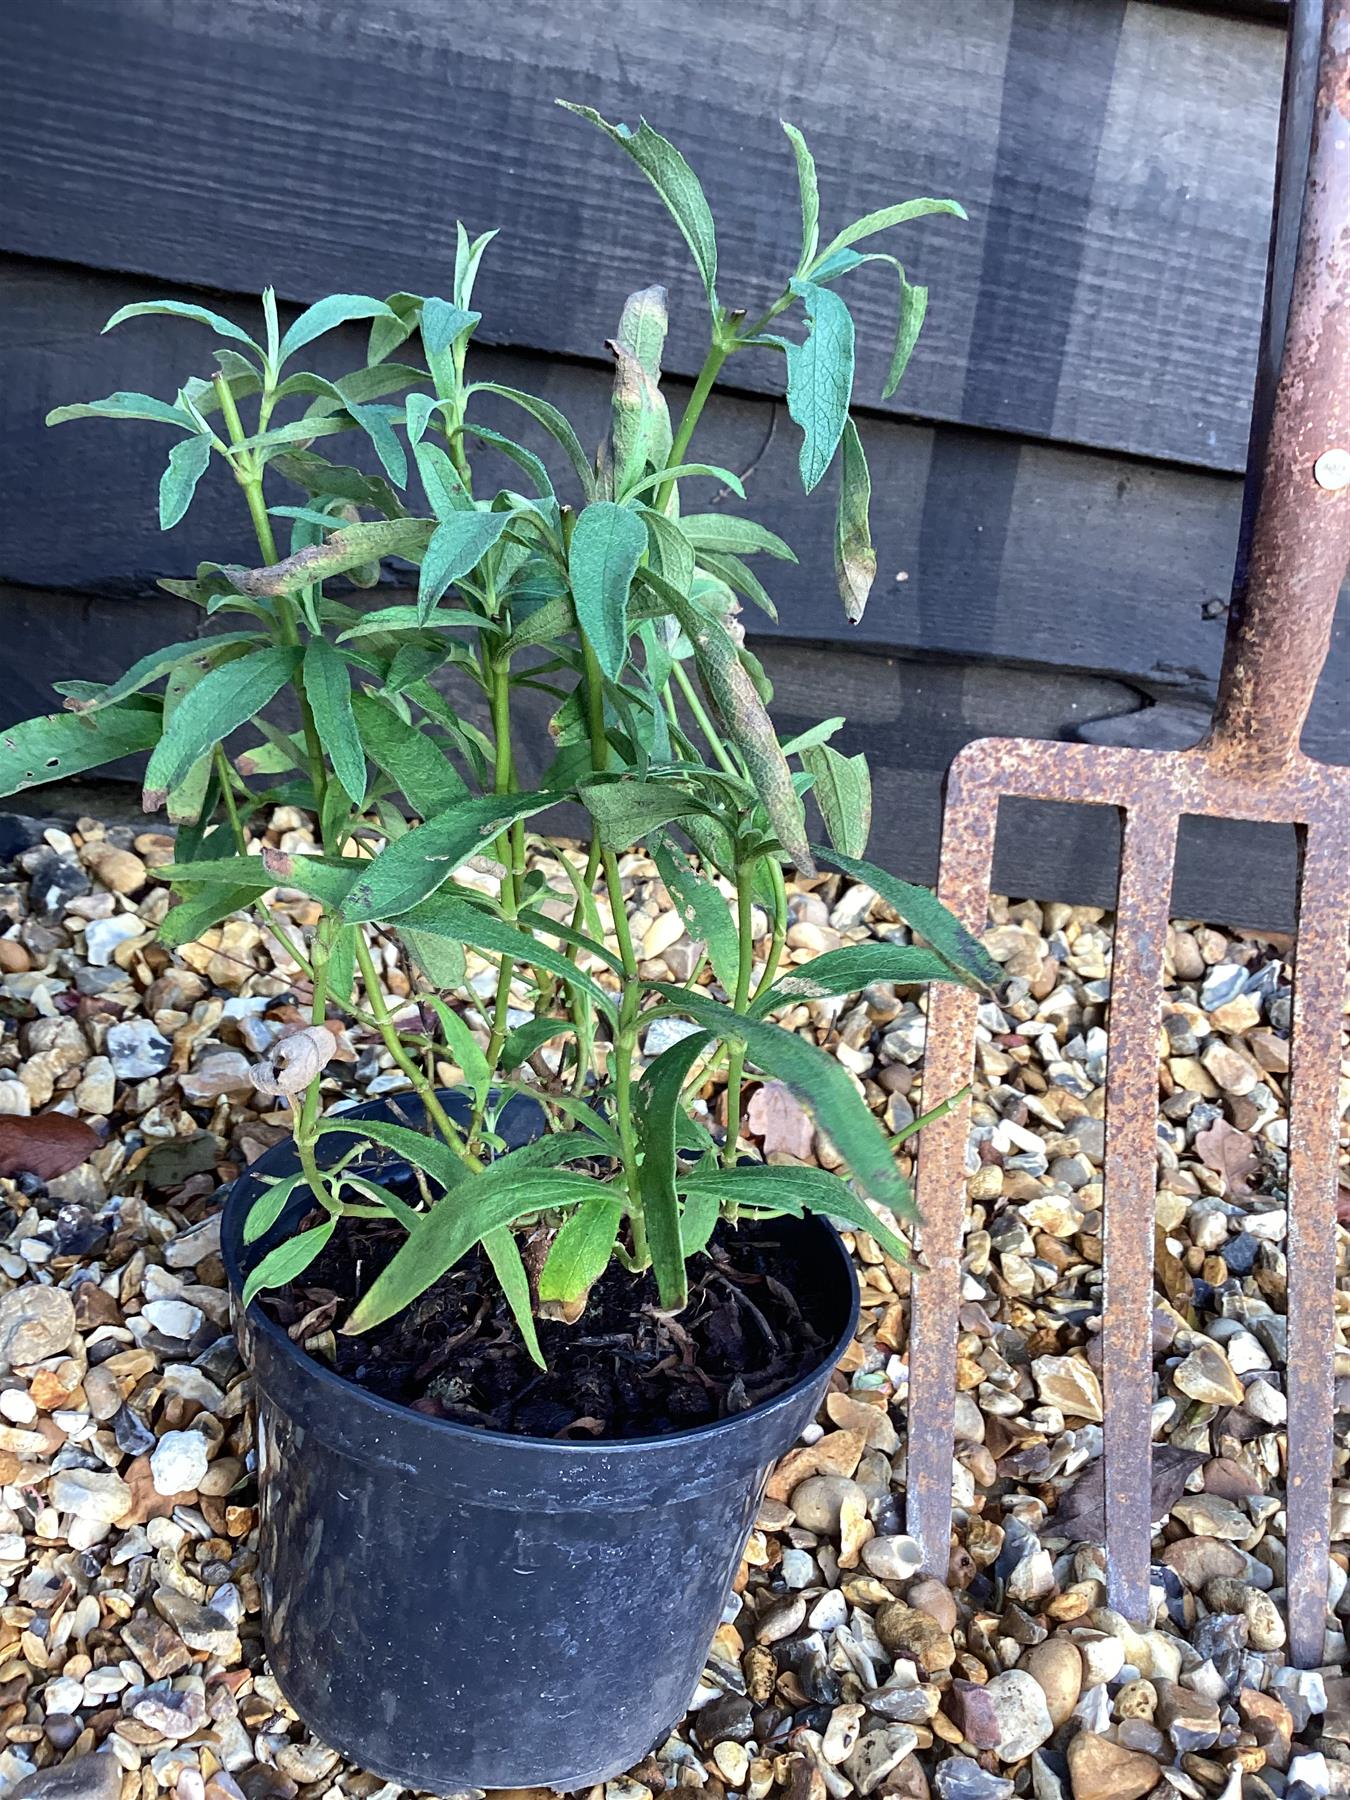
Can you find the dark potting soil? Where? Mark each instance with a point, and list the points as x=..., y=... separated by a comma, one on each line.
x=622, y=1370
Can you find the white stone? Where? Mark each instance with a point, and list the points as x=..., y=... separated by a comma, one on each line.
x=178, y=1462
x=174, y=1318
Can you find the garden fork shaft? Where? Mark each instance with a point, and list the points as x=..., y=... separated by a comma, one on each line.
x=1249, y=767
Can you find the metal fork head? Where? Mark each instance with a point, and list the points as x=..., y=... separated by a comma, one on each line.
x=1152, y=790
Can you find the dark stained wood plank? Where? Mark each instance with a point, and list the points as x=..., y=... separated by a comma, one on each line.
x=989, y=549
x=1107, y=289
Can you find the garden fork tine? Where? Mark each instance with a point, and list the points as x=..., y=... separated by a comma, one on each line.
x=1249, y=767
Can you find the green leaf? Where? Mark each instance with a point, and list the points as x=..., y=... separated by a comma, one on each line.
x=739, y=577
x=406, y=1215
x=913, y=311
x=698, y=1221
x=820, y=378
x=703, y=908
x=219, y=703
x=430, y=1154
x=186, y=466
x=843, y=792
x=674, y=181
x=742, y=537
x=458, y=544
x=627, y=811
x=806, y=181
x=795, y=1191
x=179, y=309
x=441, y=960
x=464, y=1047
x=923, y=912
x=447, y=916
x=185, y=923
x=504, y=1254
x=658, y=1112
x=55, y=745
x=855, y=561
x=424, y=774
x=883, y=219
x=853, y=967
x=185, y=802
x=342, y=964
x=337, y=309
x=287, y=1261
x=468, y=255
x=126, y=406
x=443, y=322
x=414, y=867
x=269, y=1206
x=818, y=1080
x=158, y=663
x=607, y=546
x=545, y=625
x=582, y=1248
x=334, y=481
x=522, y=1043
x=503, y=1192
x=552, y=421
x=329, y=688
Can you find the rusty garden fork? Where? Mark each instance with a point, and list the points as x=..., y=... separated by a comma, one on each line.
x=1248, y=767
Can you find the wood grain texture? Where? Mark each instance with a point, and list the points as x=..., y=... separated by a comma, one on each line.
x=1115, y=157
x=989, y=549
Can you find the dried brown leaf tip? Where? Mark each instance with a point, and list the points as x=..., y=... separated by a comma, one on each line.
x=293, y=1061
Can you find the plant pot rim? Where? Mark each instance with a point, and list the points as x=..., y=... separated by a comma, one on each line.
x=262, y=1332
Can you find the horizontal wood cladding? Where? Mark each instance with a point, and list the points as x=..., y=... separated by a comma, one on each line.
x=990, y=549
x=1115, y=157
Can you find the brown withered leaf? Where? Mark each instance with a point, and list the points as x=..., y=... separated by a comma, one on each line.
x=1229, y=1152
x=1081, y=1515
x=293, y=1061
x=46, y=1146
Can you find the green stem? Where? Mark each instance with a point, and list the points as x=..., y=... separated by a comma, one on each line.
x=718, y=353
x=745, y=943
x=704, y=723
x=224, y=776
x=394, y=1045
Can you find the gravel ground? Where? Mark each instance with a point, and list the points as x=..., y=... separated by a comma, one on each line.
x=130, y=1616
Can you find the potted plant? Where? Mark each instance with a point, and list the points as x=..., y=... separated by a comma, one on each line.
x=526, y=1348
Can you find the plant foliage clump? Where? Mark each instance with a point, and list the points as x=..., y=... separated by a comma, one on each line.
x=584, y=578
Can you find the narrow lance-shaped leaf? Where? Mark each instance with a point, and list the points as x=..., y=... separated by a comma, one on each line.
x=700, y=904
x=458, y=544
x=459, y=922
x=793, y=1191
x=55, y=745
x=727, y=533
x=217, y=705
x=180, y=309
x=414, y=867
x=503, y=1192
x=607, y=546
x=853, y=967
x=818, y=1080
x=806, y=181
x=329, y=688
x=508, y=1266
x=324, y=315
x=157, y=663
x=658, y=1112
x=186, y=466
x=411, y=758
x=923, y=912
x=554, y=422
x=583, y=1247
x=843, y=792
x=123, y=405
x=287, y=1261
x=820, y=378
x=855, y=561
x=674, y=181
x=884, y=218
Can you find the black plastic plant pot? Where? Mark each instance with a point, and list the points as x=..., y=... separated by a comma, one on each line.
x=452, y=1607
